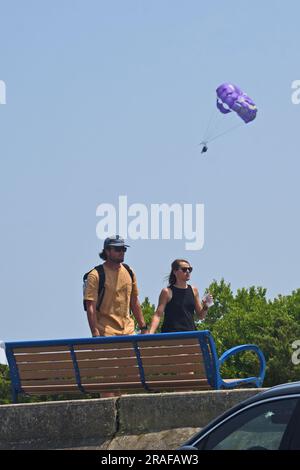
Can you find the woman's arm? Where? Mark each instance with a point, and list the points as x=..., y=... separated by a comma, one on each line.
x=164, y=298
x=201, y=308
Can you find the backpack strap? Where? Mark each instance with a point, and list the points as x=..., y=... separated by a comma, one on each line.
x=101, y=285
x=129, y=270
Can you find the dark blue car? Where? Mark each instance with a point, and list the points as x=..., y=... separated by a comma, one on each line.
x=268, y=421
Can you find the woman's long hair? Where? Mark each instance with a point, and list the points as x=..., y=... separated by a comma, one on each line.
x=174, y=266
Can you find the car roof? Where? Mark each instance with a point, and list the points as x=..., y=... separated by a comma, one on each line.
x=278, y=390
x=291, y=388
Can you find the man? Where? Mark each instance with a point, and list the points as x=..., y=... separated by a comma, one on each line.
x=120, y=295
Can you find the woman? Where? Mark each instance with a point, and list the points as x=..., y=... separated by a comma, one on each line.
x=179, y=301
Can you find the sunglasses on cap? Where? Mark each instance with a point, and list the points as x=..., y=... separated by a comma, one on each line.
x=186, y=270
x=119, y=248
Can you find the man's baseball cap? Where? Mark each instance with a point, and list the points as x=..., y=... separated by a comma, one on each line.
x=114, y=241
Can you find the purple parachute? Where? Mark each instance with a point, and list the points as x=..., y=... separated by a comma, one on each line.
x=231, y=98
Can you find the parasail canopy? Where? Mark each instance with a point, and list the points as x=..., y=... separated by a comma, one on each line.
x=231, y=98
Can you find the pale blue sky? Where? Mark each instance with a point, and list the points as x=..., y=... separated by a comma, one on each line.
x=111, y=98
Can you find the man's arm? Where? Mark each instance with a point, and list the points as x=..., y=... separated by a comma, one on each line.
x=137, y=312
x=92, y=319
x=90, y=298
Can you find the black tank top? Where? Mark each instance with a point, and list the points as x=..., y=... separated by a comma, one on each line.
x=179, y=312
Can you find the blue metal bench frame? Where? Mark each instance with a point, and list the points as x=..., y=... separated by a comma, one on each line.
x=206, y=344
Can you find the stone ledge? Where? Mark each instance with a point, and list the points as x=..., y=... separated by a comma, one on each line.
x=52, y=424
x=145, y=413
x=170, y=439
x=98, y=423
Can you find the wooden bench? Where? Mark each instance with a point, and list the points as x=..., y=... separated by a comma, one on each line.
x=137, y=363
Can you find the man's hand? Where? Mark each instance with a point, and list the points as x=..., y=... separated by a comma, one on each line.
x=144, y=331
x=95, y=332
x=138, y=314
x=92, y=317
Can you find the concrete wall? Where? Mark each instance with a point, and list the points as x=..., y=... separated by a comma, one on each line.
x=100, y=423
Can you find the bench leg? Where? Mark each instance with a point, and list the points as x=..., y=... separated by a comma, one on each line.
x=14, y=396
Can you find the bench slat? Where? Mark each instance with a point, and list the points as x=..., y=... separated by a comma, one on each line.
x=168, y=343
x=48, y=389
x=192, y=359
x=174, y=368
x=39, y=357
x=111, y=371
x=119, y=353
x=80, y=347
x=118, y=379
x=108, y=371
x=45, y=366
x=165, y=351
x=45, y=374
x=167, y=375
x=173, y=377
x=40, y=349
x=26, y=383
x=102, y=347
x=176, y=383
x=116, y=362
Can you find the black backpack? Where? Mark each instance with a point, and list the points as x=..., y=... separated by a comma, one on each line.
x=101, y=287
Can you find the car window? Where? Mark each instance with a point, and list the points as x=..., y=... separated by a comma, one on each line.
x=259, y=427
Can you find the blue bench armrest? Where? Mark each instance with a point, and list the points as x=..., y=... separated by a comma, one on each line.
x=246, y=347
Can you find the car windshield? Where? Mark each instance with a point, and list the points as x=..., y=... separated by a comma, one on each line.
x=259, y=427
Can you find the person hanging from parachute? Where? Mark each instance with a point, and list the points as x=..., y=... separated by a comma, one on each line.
x=231, y=98
x=204, y=148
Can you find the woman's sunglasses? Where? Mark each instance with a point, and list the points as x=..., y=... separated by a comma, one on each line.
x=186, y=270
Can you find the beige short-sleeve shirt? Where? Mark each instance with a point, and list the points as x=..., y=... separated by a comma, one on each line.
x=114, y=316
